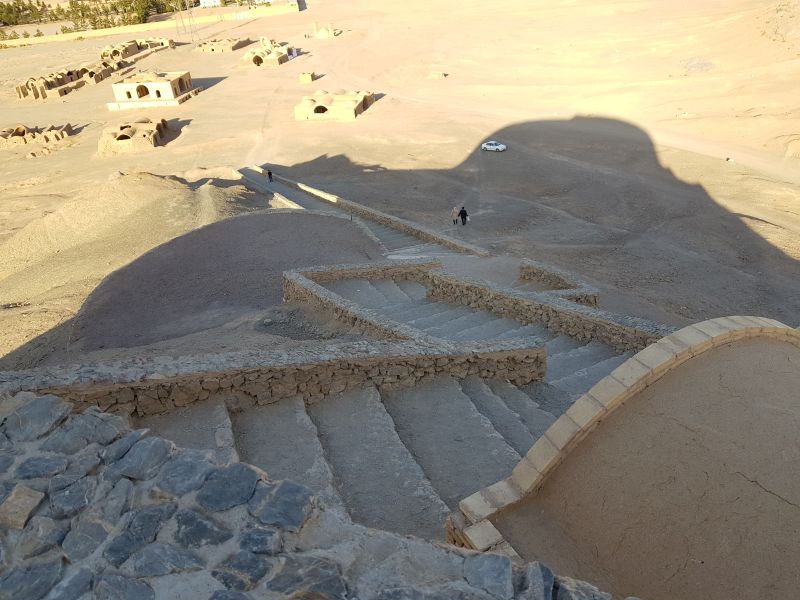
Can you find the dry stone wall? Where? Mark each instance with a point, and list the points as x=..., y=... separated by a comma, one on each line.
x=563, y=284
x=151, y=387
x=561, y=316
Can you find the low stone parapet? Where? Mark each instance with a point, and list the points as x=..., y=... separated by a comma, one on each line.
x=149, y=387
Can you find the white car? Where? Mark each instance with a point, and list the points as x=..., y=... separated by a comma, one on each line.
x=492, y=146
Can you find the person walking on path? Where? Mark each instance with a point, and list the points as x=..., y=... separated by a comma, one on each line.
x=269, y=175
x=454, y=215
x=464, y=216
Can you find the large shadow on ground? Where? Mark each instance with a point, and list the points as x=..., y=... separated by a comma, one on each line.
x=587, y=194
x=590, y=195
x=199, y=281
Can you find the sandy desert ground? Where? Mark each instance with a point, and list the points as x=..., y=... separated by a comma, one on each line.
x=654, y=148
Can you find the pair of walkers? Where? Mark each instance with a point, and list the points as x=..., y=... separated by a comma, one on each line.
x=456, y=214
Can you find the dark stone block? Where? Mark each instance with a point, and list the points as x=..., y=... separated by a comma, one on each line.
x=301, y=577
x=30, y=582
x=34, y=419
x=241, y=571
x=195, y=530
x=284, y=504
x=228, y=487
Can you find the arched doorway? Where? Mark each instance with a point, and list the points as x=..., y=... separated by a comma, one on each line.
x=257, y=60
x=320, y=109
x=142, y=91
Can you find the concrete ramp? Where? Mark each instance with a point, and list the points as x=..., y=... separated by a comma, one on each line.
x=683, y=483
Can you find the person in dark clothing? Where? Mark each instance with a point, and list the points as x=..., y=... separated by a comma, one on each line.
x=269, y=176
x=463, y=214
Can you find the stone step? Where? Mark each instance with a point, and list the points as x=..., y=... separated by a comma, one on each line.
x=459, y=324
x=458, y=448
x=412, y=310
x=414, y=290
x=376, y=476
x=360, y=291
x=566, y=363
x=533, y=416
x=282, y=440
x=490, y=330
x=505, y=420
x=561, y=343
x=534, y=330
x=202, y=425
x=549, y=398
x=391, y=291
x=448, y=312
x=582, y=380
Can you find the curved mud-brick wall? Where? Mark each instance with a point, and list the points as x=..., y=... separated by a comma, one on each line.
x=151, y=387
x=89, y=508
x=471, y=526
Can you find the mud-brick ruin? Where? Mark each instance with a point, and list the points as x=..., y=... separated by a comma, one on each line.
x=222, y=45
x=145, y=90
x=130, y=48
x=338, y=106
x=39, y=141
x=112, y=58
x=21, y=135
x=136, y=136
x=269, y=53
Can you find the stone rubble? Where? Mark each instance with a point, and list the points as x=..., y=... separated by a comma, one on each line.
x=154, y=522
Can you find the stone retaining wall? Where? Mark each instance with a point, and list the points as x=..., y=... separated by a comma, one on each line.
x=150, y=387
x=471, y=526
x=562, y=283
x=584, y=323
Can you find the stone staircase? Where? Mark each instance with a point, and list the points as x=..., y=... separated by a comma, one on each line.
x=572, y=366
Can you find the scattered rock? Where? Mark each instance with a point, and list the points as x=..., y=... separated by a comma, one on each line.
x=73, y=587
x=36, y=418
x=40, y=535
x=18, y=506
x=83, y=539
x=41, y=466
x=195, y=530
x=241, y=571
x=285, y=504
x=228, y=487
x=491, y=573
x=184, y=473
x=117, y=587
x=162, y=559
x=74, y=498
x=143, y=460
x=300, y=577
x=261, y=540
x=30, y=582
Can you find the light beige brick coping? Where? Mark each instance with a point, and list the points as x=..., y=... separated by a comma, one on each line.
x=632, y=376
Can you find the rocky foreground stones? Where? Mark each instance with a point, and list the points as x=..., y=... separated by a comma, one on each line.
x=92, y=510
